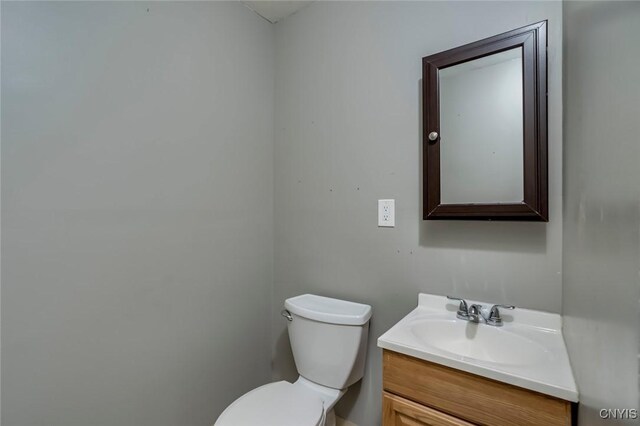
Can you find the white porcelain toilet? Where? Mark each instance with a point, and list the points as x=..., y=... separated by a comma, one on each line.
x=329, y=343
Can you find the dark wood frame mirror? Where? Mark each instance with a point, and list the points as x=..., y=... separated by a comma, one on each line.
x=534, y=207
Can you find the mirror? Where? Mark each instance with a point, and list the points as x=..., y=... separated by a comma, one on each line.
x=481, y=130
x=485, y=129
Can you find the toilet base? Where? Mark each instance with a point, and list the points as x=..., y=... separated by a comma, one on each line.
x=330, y=419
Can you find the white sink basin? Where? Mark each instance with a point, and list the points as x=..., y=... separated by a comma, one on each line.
x=478, y=341
x=527, y=351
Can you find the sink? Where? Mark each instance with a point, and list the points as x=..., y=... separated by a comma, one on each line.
x=528, y=350
x=478, y=341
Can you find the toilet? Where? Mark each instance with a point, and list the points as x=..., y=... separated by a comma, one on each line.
x=329, y=343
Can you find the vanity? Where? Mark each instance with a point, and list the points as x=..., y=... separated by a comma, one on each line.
x=441, y=367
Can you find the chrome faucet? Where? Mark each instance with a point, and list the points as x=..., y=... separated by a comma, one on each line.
x=474, y=313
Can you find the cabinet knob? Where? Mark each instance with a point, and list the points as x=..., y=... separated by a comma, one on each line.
x=433, y=136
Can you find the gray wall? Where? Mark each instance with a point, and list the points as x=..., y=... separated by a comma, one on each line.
x=602, y=203
x=348, y=108
x=137, y=162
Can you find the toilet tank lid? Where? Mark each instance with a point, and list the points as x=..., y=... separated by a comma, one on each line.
x=326, y=309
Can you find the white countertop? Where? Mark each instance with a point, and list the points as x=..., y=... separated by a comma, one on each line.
x=528, y=350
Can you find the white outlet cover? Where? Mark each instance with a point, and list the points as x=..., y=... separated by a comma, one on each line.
x=387, y=213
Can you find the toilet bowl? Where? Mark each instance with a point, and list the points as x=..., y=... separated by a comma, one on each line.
x=280, y=403
x=329, y=342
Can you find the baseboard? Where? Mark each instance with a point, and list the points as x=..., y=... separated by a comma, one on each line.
x=342, y=422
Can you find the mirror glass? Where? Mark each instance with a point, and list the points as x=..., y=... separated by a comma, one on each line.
x=481, y=130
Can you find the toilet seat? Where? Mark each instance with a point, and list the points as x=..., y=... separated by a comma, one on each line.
x=274, y=404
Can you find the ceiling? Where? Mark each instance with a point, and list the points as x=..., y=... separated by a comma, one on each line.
x=274, y=11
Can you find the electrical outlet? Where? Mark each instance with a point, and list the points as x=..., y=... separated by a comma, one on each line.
x=387, y=213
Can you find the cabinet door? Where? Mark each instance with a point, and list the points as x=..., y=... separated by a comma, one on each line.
x=397, y=411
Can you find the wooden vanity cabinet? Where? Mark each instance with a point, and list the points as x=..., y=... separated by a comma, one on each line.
x=421, y=393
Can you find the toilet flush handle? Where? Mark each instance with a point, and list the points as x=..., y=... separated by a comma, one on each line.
x=286, y=314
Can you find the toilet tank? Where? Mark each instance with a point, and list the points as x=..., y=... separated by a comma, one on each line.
x=328, y=339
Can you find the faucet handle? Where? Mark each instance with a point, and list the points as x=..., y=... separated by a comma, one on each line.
x=463, y=309
x=494, y=314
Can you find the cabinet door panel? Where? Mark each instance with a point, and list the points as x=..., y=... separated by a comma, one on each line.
x=398, y=411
